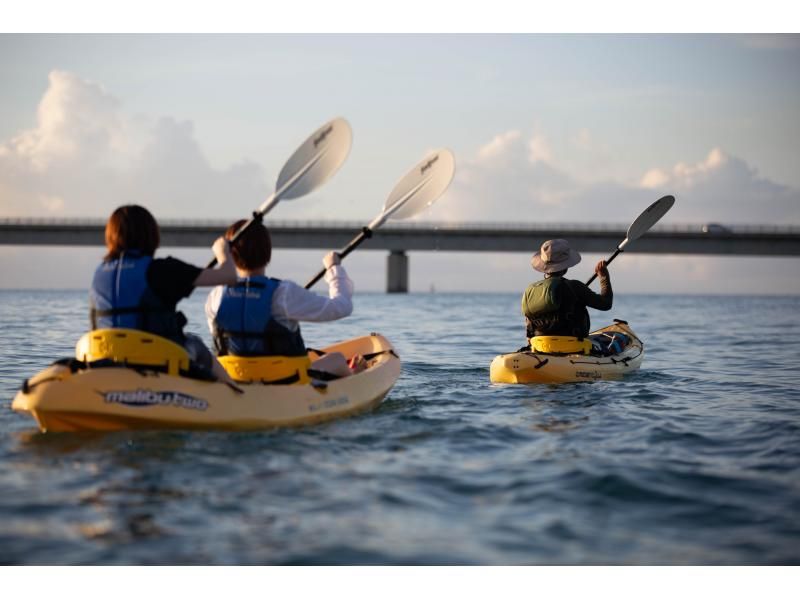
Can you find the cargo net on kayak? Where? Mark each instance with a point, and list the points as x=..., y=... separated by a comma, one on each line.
x=606, y=344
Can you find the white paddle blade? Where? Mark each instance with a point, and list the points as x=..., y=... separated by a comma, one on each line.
x=649, y=217
x=422, y=186
x=316, y=160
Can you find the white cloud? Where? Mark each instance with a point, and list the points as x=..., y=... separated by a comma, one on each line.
x=508, y=179
x=76, y=121
x=654, y=178
x=498, y=145
x=503, y=182
x=86, y=155
x=539, y=149
x=724, y=188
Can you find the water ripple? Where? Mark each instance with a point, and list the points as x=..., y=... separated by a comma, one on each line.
x=693, y=460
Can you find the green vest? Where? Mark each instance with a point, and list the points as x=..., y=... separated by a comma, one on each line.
x=542, y=297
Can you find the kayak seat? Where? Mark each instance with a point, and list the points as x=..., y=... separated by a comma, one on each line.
x=560, y=345
x=132, y=348
x=273, y=369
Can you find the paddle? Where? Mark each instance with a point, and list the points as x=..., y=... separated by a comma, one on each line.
x=641, y=225
x=310, y=165
x=413, y=193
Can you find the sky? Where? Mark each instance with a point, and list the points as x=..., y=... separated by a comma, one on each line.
x=580, y=128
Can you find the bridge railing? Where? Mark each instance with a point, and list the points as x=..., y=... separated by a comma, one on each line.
x=424, y=225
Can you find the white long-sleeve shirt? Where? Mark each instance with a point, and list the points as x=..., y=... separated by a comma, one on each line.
x=292, y=303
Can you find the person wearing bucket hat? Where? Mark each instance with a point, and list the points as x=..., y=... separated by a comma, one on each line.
x=556, y=306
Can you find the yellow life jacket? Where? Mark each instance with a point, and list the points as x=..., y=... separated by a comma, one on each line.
x=134, y=348
x=560, y=344
x=273, y=369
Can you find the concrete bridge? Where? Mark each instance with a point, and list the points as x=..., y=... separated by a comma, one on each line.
x=398, y=239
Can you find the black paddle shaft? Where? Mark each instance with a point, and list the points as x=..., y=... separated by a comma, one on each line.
x=365, y=234
x=642, y=224
x=608, y=261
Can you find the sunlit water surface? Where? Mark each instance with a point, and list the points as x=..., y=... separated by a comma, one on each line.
x=693, y=460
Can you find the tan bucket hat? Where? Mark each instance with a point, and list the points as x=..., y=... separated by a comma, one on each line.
x=554, y=256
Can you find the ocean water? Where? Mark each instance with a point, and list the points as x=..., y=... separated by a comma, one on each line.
x=695, y=459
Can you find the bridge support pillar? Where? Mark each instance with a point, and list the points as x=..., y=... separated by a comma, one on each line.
x=397, y=272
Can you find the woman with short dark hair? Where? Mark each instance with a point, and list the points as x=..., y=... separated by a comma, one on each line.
x=133, y=289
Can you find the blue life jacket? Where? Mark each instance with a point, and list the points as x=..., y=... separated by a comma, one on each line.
x=244, y=324
x=121, y=298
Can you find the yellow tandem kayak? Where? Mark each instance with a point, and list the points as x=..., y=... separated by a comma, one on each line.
x=525, y=367
x=70, y=396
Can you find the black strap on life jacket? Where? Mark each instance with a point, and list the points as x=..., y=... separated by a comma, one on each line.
x=156, y=319
x=95, y=313
x=276, y=338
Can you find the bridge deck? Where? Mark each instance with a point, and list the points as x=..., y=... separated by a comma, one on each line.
x=430, y=236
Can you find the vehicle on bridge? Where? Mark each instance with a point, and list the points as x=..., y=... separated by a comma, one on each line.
x=712, y=228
